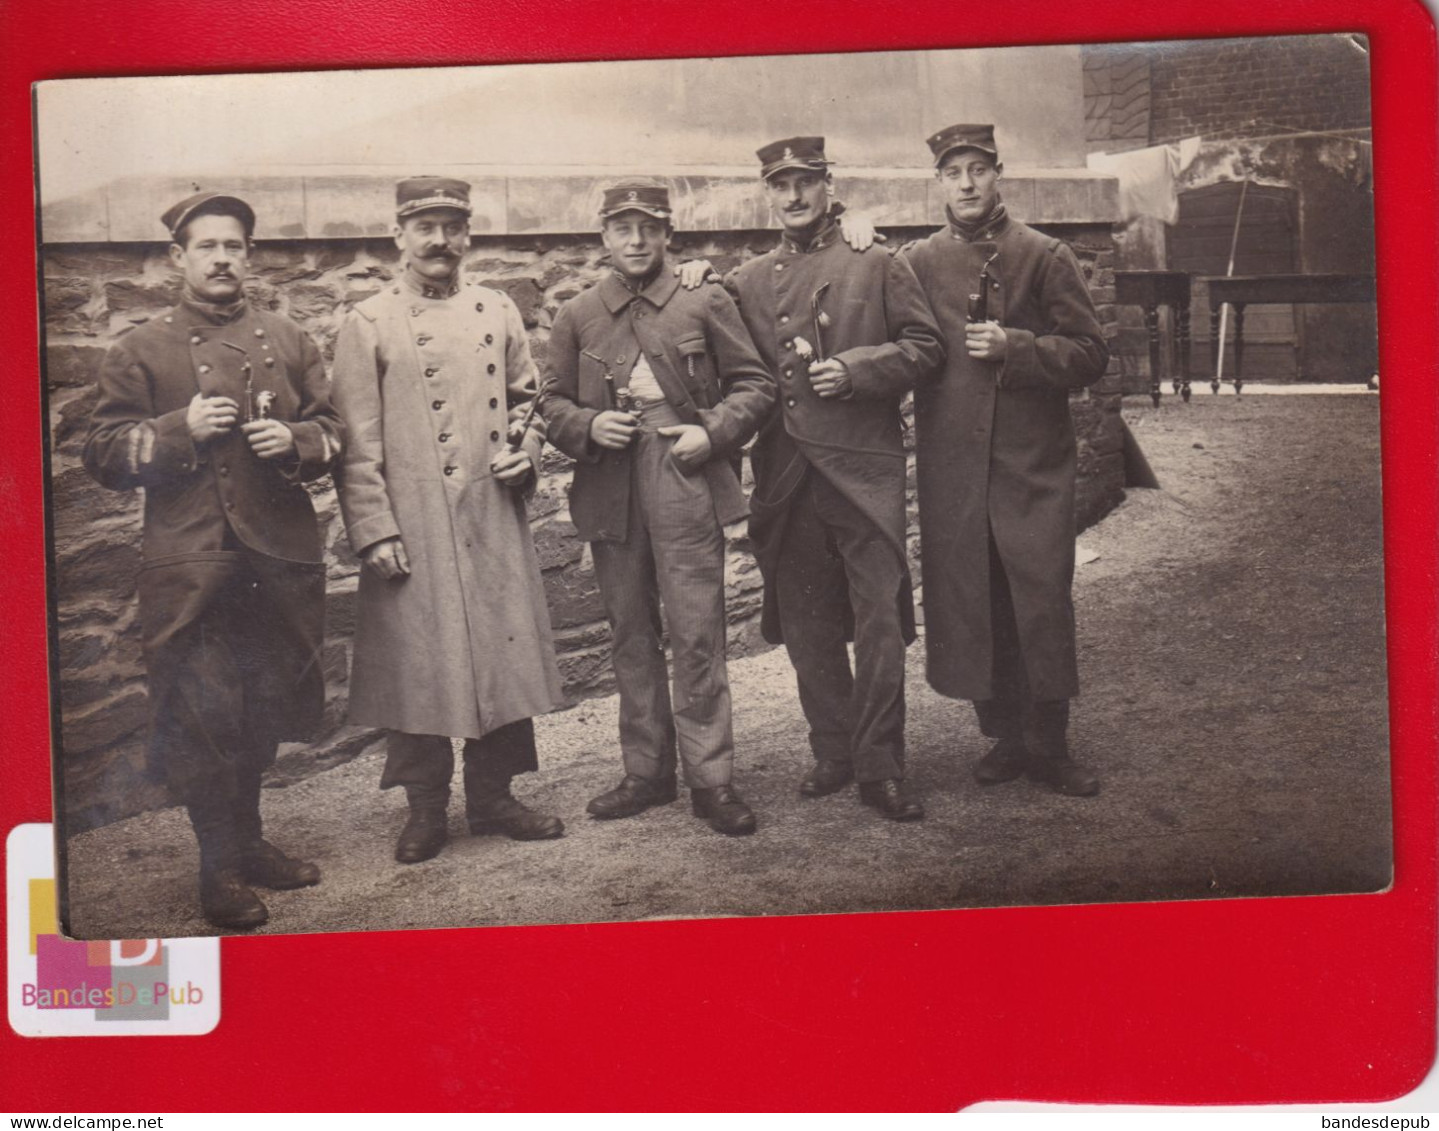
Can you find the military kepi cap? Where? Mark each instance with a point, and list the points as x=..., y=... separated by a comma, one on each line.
x=963, y=136
x=635, y=195
x=208, y=204
x=419, y=194
x=792, y=153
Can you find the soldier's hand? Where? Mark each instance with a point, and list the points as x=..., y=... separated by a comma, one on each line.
x=614, y=430
x=985, y=340
x=692, y=444
x=830, y=379
x=387, y=559
x=208, y=417
x=858, y=231
x=269, y=439
x=694, y=273
x=511, y=467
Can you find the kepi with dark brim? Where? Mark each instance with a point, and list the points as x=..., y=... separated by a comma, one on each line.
x=208, y=204
x=963, y=136
x=637, y=195
x=792, y=153
x=420, y=194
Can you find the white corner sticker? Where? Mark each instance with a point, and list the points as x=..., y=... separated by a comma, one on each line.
x=60, y=987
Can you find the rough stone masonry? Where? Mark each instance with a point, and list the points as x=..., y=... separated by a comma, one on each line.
x=94, y=292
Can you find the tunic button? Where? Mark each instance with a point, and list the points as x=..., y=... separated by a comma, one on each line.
x=195, y=339
x=430, y=372
x=783, y=318
x=489, y=339
x=779, y=266
x=789, y=401
x=449, y=471
x=437, y=405
x=414, y=312
x=494, y=402
x=789, y=345
x=422, y=339
x=490, y=368
x=224, y=470
x=259, y=333
x=788, y=372
x=494, y=436
x=270, y=361
x=204, y=369
x=639, y=313
x=444, y=437
x=168, y=318
x=479, y=307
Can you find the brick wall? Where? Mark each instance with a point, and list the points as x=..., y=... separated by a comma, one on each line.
x=1253, y=87
x=94, y=292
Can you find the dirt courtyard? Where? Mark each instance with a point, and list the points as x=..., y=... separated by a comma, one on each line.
x=1232, y=655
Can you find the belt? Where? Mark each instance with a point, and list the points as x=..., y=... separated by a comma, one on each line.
x=654, y=413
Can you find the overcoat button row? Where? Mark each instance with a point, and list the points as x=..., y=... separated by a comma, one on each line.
x=494, y=436
x=490, y=368
x=437, y=405
x=494, y=402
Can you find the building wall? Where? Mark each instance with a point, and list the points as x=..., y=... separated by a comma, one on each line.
x=95, y=292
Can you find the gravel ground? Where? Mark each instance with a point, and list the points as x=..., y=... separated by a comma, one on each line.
x=1232, y=657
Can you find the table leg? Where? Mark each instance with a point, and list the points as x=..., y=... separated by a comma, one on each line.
x=1217, y=345
x=1151, y=323
x=1181, y=385
x=1238, y=347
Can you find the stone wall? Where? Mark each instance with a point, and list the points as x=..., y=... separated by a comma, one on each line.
x=95, y=292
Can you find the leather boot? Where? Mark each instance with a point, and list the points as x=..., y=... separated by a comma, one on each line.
x=260, y=861
x=225, y=899
x=826, y=776
x=632, y=796
x=1001, y=719
x=491, y=808
x=427, y=830
x=1050, y=763
x=891, y=797
x=724, y=809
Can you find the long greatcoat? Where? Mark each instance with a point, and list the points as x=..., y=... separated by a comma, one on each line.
x=428, y=384
x=201, y=502
x=879, y=324
x=702, y=359
x=995, y=452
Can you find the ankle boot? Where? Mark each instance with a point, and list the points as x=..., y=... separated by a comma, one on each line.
x=427, y=829
x=490, y=807
x=1050, y=763
x=225, y=899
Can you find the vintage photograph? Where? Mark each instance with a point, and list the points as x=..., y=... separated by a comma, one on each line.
x=714, y=487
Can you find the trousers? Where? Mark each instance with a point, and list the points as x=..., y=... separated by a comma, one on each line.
x=425, y=763
x=833, y=554
x=672, y=559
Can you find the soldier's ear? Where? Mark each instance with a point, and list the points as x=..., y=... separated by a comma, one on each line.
x=828, y=183
x=999, y=168
x=399, y=234
x=177, y=255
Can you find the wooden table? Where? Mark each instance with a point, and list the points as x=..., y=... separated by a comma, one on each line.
x=1152, y=289
x=1240, y=290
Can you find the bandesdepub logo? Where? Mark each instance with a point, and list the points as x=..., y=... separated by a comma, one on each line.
x=65, y=987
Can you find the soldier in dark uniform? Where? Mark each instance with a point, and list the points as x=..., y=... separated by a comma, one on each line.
x=995, y=451
x=847, y=333
x=221, y=412
x=653, y=390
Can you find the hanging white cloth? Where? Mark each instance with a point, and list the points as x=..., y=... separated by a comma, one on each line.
x=1148, y=178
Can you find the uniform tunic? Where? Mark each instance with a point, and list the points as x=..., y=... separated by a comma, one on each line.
x=232, y=586
x=881, y=327
x=428, y=383
x=995, y=453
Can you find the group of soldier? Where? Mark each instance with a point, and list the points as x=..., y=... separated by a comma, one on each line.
x=432, y=422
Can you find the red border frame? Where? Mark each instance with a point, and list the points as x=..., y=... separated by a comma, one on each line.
x=1304, y=999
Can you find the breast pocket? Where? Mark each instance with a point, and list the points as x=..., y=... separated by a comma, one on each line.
x=697, y=369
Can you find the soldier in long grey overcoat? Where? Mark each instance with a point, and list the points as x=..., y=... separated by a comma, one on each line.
x=221, y=412
x=453, y=636
x=995, y=454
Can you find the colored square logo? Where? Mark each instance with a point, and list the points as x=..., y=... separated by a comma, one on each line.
x=124, y=987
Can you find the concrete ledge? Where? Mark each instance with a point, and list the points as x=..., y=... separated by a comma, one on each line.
x=302, y=204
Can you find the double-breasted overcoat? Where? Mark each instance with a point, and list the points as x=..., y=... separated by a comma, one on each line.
x=428, y=381
x=995, y=454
